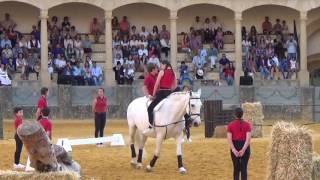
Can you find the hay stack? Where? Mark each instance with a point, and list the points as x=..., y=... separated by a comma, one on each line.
x=220, y=132
x=316, y=166
x=61, y=175
x=253, y=112
x=290, y=153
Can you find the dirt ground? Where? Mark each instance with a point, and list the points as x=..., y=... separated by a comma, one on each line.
x=203, y=158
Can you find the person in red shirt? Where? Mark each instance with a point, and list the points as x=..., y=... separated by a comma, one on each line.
x=42, y=102
x=239, y=136
x=18, y=112
x=45, y=122
x=99, y=108
x=150, y=80
x=124, y=27
x=166, y=82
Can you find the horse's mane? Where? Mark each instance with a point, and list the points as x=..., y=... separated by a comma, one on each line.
x=177, y=94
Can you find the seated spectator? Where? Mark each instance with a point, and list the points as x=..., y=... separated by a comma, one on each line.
x=143, y=32
x=57, y=51
x=134, y=52
x=143, y=51
x=223, y=63
x=264, y=72
x=198, y=62
x=213, y=55
x=292, y=48
x=16, y=50
x=203, y=54
x=117, y=51
x=4, y=78
x=208, y=34
x=77, y=75
x=229, y=74
x=78, y=47
x=50, y=65
x=133, y=41
x=273, y=64
x=277, y=28
x=125, y=42
x=164, y=40
x=65, y=23
x=21, y=65
x=13, y=36
x=73, y=32
x=293, y=68
x=133, y=31
x=119, y=73
x=125, y=52
x=23, y=44
x=32, y=61
x=129, y=71
x=87, y=74
x=184, y=74
x=117, y=59
x=35, y=32
x=154, y=42
x=266, y=26
x=124, y=26
x=95, y=29
x=115, y=25
x=155, y=31
x=6, y=41
x=34, y=45
x=7, y=53
x=69, y=53
x=11, y=68
x=87, y=45
x=284, y=68
x=154, y=60
x=144, y=42
x=89, y=60
x=153, y=51
x=219, y=39
x=194, y=43
x=37, y=68
x=67, y=41
x=66, y=77
x=60, y=63
x=8, y=22
x=54, y=23
x=96, y=73
x=215, y=25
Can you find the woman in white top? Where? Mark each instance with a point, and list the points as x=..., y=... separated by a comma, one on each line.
x=21, y=64
x=125, y=41
x=4, y=78
x=134, y=41
x=68, y=41
x=144, y=42
x=78, y=47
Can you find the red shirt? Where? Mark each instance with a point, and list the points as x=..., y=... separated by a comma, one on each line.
x=149, y=82
x=124, y=26
x=47, y=126
x=239, y=129
x=42, y=103
x=101, y=104
x=167, y=79
x=17, y=122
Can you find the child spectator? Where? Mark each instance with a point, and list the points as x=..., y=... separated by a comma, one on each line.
x=184, y=73
x=45, y=122
x=18, y=112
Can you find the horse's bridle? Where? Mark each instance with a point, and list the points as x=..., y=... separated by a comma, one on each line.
x=189, y=113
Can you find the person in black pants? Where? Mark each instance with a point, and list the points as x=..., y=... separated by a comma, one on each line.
x=165, y=83
x=99, y=107
x=17, y=122
x=239, y=136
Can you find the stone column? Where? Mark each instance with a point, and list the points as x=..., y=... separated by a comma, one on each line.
x=173, y=39
x=238, y=47
x=45, y=79
x=108, y=74
x=303, y=73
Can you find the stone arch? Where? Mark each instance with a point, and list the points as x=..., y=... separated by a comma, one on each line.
x=31, y=3
x=291, y=5
x=225, y=4
x=161, y=3
x=97, y=3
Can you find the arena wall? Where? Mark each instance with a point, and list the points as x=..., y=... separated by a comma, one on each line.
x=71, y=102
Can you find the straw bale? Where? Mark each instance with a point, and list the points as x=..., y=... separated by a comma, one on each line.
x=61, y=175
x=253, y=112
x=290, y=153
x=220, y=132
x=316, y=166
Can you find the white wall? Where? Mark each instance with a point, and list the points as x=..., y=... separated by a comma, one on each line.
x=256, y=16
x=143, y=14
x=80, y=14
x=313, y=44
x=23, y=14
x=186, y=16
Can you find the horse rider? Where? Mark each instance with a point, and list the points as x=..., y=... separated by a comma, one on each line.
x=165, y=83
x=150, y=80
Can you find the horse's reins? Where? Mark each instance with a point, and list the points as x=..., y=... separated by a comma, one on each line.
x=177, y=122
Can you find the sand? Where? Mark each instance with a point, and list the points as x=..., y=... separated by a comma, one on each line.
x=203, y=158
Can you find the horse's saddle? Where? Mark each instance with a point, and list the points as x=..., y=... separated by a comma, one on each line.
x=158, y=106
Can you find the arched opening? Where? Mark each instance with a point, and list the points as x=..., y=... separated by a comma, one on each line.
x=270, y=41
x=23, y=14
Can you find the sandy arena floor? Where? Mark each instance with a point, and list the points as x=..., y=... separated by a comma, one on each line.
x=203, y=158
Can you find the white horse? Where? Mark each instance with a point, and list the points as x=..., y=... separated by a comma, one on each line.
x=169, y=123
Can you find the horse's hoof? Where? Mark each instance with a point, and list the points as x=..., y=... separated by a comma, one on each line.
x=182, y=170
x=138, y=166
x=133, y=163
x=149, y=168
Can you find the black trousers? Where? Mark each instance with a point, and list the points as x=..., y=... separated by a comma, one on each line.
x=240, y=164
x=162, y=94
x=19, y=145
x=100, y=123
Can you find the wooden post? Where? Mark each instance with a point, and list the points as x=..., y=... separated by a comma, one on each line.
x=211, y=109
x=39, y=147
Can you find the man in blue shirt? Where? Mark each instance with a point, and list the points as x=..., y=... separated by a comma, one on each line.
x=77, y=75
x=96, y=72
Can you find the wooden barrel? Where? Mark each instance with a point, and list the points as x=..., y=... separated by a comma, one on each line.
x=211, y=108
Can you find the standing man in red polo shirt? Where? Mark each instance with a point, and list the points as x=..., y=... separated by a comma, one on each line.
x=42, y=102
x=150, y=80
